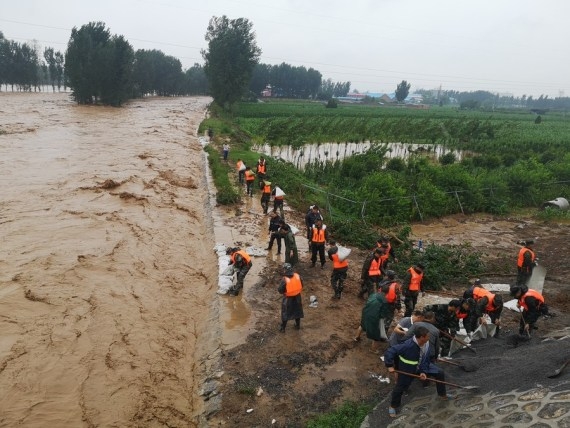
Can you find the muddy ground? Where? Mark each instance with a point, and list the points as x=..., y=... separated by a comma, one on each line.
x=289, y=378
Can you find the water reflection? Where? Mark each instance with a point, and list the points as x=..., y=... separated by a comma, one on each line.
x=309, y=153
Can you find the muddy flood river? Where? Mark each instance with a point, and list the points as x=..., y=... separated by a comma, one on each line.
x=107, y=272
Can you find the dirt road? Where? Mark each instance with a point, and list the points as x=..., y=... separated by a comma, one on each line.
x=106, y=267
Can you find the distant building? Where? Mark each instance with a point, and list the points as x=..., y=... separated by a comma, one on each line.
x=267, y=91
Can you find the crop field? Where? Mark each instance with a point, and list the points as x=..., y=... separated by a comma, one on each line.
x=299, y=123
x=514, y=159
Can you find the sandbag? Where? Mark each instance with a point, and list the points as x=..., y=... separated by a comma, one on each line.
x=343, y=252
x=294, y=229
x=279, y=192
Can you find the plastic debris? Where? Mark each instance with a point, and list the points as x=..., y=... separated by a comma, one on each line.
x=380, y=378
x=249, y=410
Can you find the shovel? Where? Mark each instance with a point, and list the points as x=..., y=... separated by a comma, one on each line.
x=461, y=342
x=469, y=387
x=557, y=372
x=466, y=367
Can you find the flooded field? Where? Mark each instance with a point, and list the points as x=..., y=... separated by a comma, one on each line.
x=323, y=152
x=106, y=269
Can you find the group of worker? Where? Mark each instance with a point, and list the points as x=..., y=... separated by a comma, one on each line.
x=418, y=341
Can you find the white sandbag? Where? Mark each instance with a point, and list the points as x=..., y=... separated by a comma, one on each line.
x=242, y=167
x=224, y=284
x=343, y=252
x=228, y=271
x=279, y=192
x=294, y=229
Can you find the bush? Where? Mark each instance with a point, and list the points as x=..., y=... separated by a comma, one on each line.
x=332, y=103
x=349, y=415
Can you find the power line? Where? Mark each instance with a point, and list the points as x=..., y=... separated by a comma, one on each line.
x=422, y=76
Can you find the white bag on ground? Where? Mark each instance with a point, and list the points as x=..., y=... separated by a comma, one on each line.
x=279, y=192
x=343, y=252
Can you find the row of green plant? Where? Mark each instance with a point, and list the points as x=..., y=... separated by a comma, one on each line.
x=298, y=123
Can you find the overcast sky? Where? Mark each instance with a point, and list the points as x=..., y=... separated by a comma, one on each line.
x=506, y=46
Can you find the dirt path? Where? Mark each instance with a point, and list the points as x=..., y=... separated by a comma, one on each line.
x=106, y=268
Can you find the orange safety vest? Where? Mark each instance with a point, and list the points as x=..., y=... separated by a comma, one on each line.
x=239, y=165
x=337, y=264
x=392, y=294
x=242, y=253
x=249, y=175
x=416, y=279
x=318, y=235
x=460, y=315
x=521, y=256
x=384, y=258
x=261, y=168
x=293, y=285
x=374, y=269
x=530, y=293
x=479, y=293
x=267, y=189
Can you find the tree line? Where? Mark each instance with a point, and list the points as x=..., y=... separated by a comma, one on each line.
x=488, y=100
x=23, y=67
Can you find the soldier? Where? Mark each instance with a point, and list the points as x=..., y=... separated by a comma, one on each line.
x=339, y=271
x=242, y=263
x=446, y=321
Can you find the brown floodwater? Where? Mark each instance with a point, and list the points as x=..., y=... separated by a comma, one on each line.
x=107, y=273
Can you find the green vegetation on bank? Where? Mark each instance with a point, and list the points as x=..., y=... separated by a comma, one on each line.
x=348, y=415
x=509, y=163
x=449, y=263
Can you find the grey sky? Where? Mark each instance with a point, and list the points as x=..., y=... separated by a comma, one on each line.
x=506, y=46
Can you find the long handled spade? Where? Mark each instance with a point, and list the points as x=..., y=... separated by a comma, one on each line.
x=461, y=342
x=466, y=367
x=557, y=372
x=469, y=387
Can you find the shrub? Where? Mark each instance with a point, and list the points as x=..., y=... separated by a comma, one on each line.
x=332, y=103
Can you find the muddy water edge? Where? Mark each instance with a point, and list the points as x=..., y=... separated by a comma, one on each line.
x=108, y=312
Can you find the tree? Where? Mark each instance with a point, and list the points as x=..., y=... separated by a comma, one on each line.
x=99, y=67
x=402, y=90
x=230, y=59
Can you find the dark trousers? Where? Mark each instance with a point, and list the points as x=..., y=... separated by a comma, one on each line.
x=369, y=285
x=338, y=277
x=275, y=236
x=249, y=187
x=278, y=204
x=410, y=301
x=523, y=275
x=241, y=176
x=265, y=202
x=318, y=248
x=404, y=382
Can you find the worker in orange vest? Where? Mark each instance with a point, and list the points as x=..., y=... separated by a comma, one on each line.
x=290, y=287
x=391, y=290
x=526, y=262
x=486, y=303
x=319, y=237
x=261, y=170
x=249, y=179
x=371, y=274
x=411, y=287
x=265, y=195
x=240, y=167
x=339, y=272
x=533, y=306
x=242, y=263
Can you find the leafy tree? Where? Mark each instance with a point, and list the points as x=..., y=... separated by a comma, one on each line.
x=196, y=80
x=402, y=90
x=230, y=59
x=99, y=67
